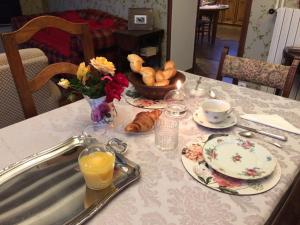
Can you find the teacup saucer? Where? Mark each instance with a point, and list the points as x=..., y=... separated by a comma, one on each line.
x=201, y=119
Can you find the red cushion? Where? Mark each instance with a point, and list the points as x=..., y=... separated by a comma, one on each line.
x=60, y=40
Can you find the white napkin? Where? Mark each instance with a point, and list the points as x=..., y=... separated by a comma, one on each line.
x=272, y=121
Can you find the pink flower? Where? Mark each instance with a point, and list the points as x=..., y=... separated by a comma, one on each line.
x=251, y=172
x=106, y=77
x=113, y=90
x=225, y=181
x=99, y=112
x=115, y=87
x=121, y=79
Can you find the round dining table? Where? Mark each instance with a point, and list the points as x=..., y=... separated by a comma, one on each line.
x=212, y=11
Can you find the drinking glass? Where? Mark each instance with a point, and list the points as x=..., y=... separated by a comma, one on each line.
x=166, y=133
x=175, y=103
x=96, y=164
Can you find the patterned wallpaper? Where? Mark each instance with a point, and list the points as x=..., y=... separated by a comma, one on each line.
x=261, y=28
x=29, y=7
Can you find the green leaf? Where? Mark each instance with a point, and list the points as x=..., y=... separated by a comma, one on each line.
x=227, y=190
x=208, y=180
x=202, y=179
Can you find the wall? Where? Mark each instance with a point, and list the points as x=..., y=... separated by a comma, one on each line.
x=30, y=7
x=118, y=8
x=183, y=32
x=260, y=28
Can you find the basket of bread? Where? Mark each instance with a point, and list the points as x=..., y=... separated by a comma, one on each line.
x=151, y=83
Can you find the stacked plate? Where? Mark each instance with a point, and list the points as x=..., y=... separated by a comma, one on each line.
x=232, y=164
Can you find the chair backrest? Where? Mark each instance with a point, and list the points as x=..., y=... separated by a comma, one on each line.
x=276, y=76
x=45, y=99
x=27, y=87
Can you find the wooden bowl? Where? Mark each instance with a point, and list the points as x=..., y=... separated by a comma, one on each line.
x=153, y=92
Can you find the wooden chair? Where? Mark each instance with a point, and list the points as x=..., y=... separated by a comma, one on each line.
x=11, y=41
x=271, y=75
x=204, y=28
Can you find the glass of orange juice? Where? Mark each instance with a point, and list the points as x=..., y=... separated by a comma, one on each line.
x=97, y=166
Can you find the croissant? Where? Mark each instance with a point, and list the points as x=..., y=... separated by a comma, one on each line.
x=143, y=121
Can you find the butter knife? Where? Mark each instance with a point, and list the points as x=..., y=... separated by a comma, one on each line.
x=279, y=137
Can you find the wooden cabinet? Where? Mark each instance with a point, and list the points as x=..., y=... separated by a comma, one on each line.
x=235, y=14
x=240, y=12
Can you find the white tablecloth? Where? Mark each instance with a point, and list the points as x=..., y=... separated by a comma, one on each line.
x=166, y=194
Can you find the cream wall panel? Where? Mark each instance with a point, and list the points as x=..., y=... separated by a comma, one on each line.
x=184, y=15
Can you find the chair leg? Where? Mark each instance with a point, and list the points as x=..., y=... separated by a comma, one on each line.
x=209, y=33
x=277, y=91
x=235, y=81
x=202, y=34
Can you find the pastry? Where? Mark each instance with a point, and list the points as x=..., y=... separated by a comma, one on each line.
x=134, y=57
x=169, y=73
x=159, y=76
x=169, y=65
x=162, y=83
x=136, y=66
x=143, y=121
x=148, y=74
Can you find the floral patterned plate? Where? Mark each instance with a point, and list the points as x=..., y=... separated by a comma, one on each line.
x=192, y=159
x=239, y=158
x=134, y=99
x=200, y=119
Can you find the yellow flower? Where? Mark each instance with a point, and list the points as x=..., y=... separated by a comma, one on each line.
x=102, y=64
x=82, y=71
x=64, y=83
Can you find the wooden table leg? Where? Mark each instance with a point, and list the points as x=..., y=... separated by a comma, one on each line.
x=215, y=26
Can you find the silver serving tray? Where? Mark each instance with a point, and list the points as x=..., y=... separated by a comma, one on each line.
x=48, y=188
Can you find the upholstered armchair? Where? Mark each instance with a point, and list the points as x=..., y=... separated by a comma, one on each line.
x=46, y=99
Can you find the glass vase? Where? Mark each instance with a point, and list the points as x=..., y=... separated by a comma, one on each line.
x=101, y=111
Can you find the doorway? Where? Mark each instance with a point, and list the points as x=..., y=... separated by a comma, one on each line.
x=231, y=25
x=9, y=8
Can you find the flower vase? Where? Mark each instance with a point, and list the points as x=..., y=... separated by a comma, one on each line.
x=101, y=111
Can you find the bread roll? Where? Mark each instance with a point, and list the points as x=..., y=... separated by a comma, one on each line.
x=136, y=66
x=169, y=73
x=148, y=74
x=134, y=57
x=162, y=83
x=169, y=65
x=159, y=76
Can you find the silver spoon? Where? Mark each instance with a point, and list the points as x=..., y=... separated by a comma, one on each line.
x=212, y=94
x=198, y=83
x=249, y=134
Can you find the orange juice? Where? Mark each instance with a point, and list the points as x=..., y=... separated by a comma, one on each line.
x=97, y=169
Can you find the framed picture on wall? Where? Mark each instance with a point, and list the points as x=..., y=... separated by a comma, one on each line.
x=140, y=19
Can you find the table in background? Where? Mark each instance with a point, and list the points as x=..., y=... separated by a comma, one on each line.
x=214, y=12
x=166, y=193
